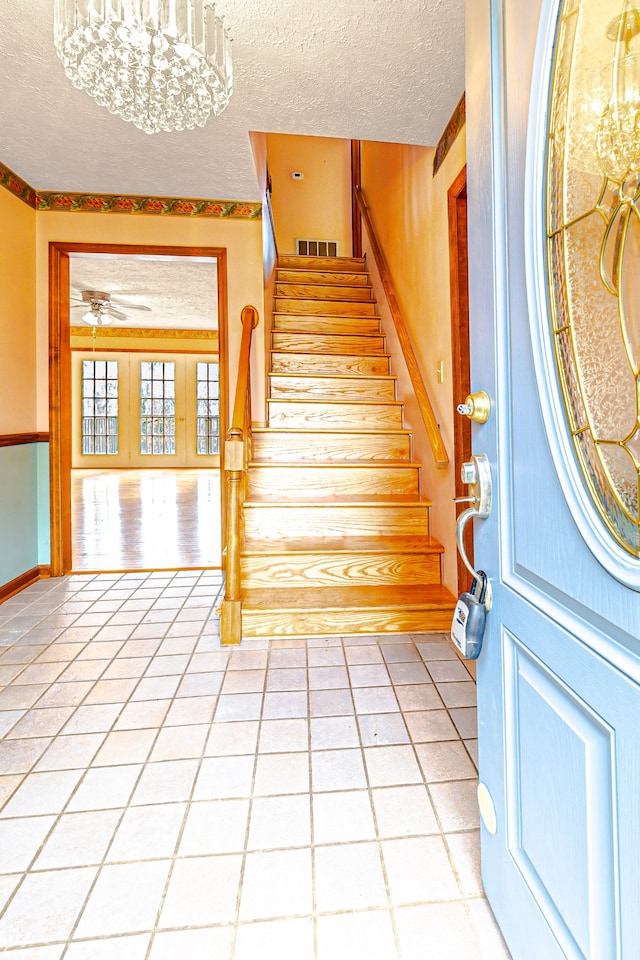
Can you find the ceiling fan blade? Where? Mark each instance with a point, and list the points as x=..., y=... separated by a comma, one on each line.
x=116, y=314
x=121, y=302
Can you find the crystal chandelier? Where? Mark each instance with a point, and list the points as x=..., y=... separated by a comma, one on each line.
x=161, y=64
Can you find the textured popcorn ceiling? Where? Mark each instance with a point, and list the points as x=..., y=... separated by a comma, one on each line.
x=365, y=69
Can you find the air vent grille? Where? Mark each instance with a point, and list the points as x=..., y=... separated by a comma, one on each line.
x=317, y=248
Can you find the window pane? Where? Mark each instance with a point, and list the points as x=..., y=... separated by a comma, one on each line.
x=161, y=387
x=99, y=415
x=207, y=408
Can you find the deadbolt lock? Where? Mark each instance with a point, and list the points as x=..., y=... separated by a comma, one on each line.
x=477, y=407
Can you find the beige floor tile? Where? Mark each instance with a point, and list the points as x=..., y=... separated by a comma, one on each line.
x=238, y=706
x=447, y=670
x=464, y=849
x=188, y=710
x=293, y=678
x=202, y=891
x=20, y=840
x=290, y=939
x=42, y=793
x=349, y=877
x=22, y=697
x=279, y=773
x=466, y=721
x=446, y=760
x=285, y=735
x=369, y=675
x=418, y=869
x=333, y=733
x=232, y=739
x=101, y=649
x=436, y=650
x=289, y=705
x=276, y=884
x=212, y=662
x=350, y=935
x=8, y=784
x=391, y=766
x=65, y=694
x=113, y=948
x=343, y=817
x=249, y=660
x=337, y=770
x=328, y=678
x=472, y=747
x=215, y=826
x=223, y=778
x=492, y=945
x=399, y=652
x=243, y=681
x=155, y=688
x=330, y=703
x=325, y=656
x=105, y=788
x=111, y=691
x=173, y=645
x=8, y=883
x=200, y=685
x=45, y=907
x=426, y=726
x=165, y=666
x=37, y=673
x=123, y=668
x=446, y=927
x=288, y=657
x=411, y=672
x=404, y=811
x=125, y=899
x=147, y=832
x=144, y=714
x=175, y=743
x=375, y=700
x=365, y=653
x=140, y=648
x=215, y=943
x=458, y=694
x=79, y=839
x=280, y=821
x=84, y=670
x=19, y=756
x=456, y=804
x=377, y=729
x=69, y=752
x=40, y=723
x=94, y=719
x=125, y=746
x=167, y=781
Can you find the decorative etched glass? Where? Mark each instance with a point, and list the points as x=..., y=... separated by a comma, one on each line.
x=593, y=250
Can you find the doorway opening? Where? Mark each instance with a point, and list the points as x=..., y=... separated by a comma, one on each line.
x=138, y=361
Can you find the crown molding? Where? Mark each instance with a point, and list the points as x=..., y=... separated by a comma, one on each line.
x=47, y=200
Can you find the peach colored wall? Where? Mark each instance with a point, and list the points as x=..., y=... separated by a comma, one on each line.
x=318, y=207
x=409, y=209
x=17, y=316
x=242, y=239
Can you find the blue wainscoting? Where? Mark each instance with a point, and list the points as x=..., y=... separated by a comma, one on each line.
x=20, y=511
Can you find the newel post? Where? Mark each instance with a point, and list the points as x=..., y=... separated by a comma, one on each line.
x=230, y=612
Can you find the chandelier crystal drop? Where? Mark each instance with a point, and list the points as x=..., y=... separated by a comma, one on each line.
x=160, y=64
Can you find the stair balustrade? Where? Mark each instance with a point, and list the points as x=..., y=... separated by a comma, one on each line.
x=237, y=454
x=424, y=402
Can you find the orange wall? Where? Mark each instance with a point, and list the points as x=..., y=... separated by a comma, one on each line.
x=242, y=238
x=17, y=316
x=318, y=207
x=409, y=209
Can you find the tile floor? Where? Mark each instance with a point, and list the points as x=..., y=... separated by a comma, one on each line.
x=163, y=798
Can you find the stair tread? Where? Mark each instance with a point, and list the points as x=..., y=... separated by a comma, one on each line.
x=331, y=464
x=333, y=376
x=326, y=402
x=421, y=596
x=315, y=545
x=343, y=500
x=387, y=431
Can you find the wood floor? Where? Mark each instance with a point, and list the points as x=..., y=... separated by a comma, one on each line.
x=145, y=519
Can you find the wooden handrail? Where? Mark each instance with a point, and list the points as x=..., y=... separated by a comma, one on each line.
x=424, y=403
x=236, y=456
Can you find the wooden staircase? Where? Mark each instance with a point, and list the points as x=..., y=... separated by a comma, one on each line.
x=336, y=527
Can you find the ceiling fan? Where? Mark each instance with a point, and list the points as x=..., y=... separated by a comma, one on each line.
x=103, y=307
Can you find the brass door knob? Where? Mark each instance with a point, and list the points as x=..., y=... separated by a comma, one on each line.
x=477, y=407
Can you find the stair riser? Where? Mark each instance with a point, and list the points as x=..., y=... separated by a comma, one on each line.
x=323, y=291
x=319, y=364
x=332, y=623
x=335, y=308
x=294, y=447
x=324, y=277
x=330, y=264
x=319, y=343
x=336, y=416
x=279, y=482
x=356, y=326
x=270, y=521
x=332, y=388
x=312, y=570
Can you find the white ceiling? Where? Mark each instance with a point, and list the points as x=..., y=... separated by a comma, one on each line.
x=389, y=70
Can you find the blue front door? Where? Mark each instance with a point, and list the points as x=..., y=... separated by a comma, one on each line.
x=559, y=675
